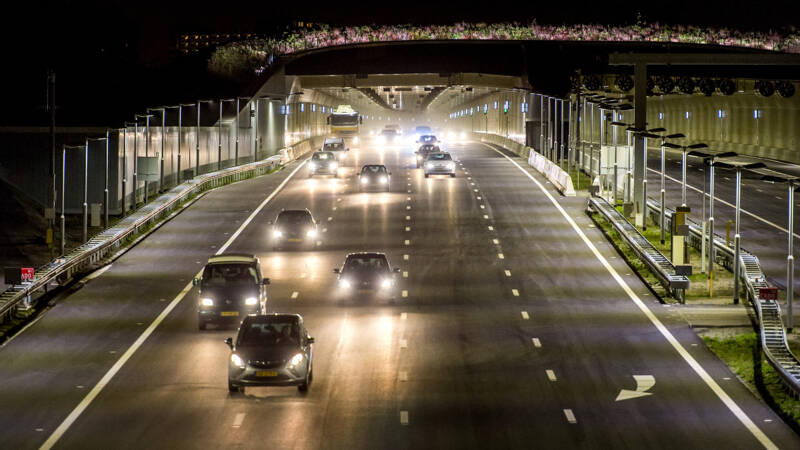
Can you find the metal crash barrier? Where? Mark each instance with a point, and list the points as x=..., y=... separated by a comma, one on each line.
x=658, y=264
x=772, y=331
x=103, y=244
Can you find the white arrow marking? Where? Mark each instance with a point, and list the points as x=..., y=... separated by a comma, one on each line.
x=643, y=384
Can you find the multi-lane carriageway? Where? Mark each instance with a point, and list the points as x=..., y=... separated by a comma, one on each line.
x=516, y=325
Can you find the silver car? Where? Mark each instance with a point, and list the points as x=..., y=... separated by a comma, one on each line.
x=439, y=164
x=271, y=350
x=323, y=162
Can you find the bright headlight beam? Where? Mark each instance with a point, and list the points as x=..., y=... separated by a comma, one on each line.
x=250, y=301
x=296, y=359
x=207, y=302
x=237, y=361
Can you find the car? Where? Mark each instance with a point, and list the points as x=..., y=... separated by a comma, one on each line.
x=271, y=350
x=336, y=145
x=293, y=227
x=366, y=273
x=388, y=136
x=427, y=139
x=231, y=287
x=323, y=162
x=423, y=152
x=439, y=164
x=373, y=175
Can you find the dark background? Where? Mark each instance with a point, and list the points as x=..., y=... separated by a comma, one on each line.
x=114, y=58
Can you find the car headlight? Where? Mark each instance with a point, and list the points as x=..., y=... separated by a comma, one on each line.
x=344, y=283
x=355, y=140
x=463, y=135
x=381, y=139
x=296, y=359
x=277, y=233
x=237, y=361
x=384, y=180
x=334, y=166
x=207, y=302
x=364, y=180
x=428, y=165
x=250, y=301
x=386, y=283
x=311, y=233
x=312, y=166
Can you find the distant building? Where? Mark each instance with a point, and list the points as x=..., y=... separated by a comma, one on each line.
x=194, y=42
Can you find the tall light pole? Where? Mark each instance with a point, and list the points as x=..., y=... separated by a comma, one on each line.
x=660, y=134
x=792, y=183
x=63, y=189
x=737, y=267
x=710, y=159
x=684, y=149
x=163, y=111
x=146, y=149
x=219, y=132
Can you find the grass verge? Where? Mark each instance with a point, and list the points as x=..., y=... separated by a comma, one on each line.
x=742, y=354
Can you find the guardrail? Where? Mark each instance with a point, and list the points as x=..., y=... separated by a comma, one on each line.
x=109, y=239
x=772, y=331
x=658, y=264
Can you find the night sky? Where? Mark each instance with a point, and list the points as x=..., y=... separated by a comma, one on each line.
x=122, y=49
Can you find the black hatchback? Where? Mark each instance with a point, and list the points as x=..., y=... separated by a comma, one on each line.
x=231, y=287
x=294, y=227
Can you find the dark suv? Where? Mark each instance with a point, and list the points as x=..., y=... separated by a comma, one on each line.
x=293, y=227
x=231, y=287
x=366, y=274
x=423, y=152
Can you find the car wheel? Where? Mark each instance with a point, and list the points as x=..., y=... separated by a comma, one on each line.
x=232, y=388
x=201, y=326
x=452, y=175
x=427, y=175
x=304, y=386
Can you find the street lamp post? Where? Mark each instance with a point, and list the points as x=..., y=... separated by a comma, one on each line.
x=63, y=189
x=710, y=159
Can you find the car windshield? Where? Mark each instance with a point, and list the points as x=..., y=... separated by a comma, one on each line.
x=427, y=148
x=344, y=119
x=365, y=264
x=293, y=218
x=428, y=138
x=321, y=156
x=373, y=170
x=439, y=157
x=229, y=274
x=270, y=331
x=334, y=146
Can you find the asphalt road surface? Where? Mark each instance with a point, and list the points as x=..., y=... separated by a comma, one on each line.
x=516, y=325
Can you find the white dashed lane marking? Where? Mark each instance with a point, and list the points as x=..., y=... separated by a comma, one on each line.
x=403, y=376
x=515, y=292
x=405, y=257
x=525, y=315
x=496, y=241
x=403, y=417
x=570, y=416
x=403, y=343
x=405, y=274
x=491, y=228
x=237, y=421
x=403, y=316
x=295, y=294
x=508, y=273
x=551, y=375
x=405, y=293
x=536, y=342
x=501, y=256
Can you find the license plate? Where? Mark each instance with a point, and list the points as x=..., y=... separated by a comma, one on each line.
x=230, y=313
x=266, y=373
x=293, y=240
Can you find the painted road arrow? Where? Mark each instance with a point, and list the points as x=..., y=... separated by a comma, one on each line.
x=643, y=384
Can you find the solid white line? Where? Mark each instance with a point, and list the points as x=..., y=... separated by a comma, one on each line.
x=403, y=417
x=551, y=375
x=96, y=273
x=570, y=416
x=87, y=400
x=237, y=421
x=744, y=211
x=536, y=342
x=698, y=369
x=525, y=315
x=295, y=294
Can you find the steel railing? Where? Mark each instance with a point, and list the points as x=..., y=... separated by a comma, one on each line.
x=772, y=331
x=101, y=245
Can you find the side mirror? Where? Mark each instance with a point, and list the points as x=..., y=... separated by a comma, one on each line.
x=310, y=340
x=396, y=270
x=196, y=282
x=229, y=341
x=265, y=281
x=336, y=270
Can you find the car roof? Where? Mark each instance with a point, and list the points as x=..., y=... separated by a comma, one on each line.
x=233, y=258
x=270, y=317
x=372, y=165
x=333, y=139
x=366, y=255
x=288, y=212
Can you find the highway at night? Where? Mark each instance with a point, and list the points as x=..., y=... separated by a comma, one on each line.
x=515, y=325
